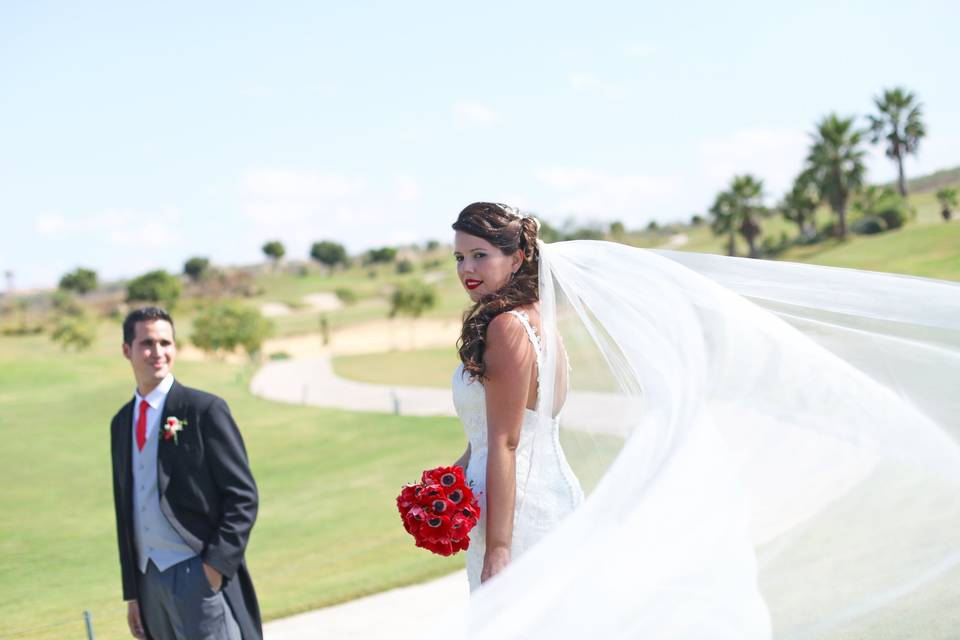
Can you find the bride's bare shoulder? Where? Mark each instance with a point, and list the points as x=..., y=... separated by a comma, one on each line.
x=506, y=339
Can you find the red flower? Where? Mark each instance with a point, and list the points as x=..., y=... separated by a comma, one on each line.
x=435, y=528
x=460, y=525
x=447, y=477
x=428, y=494
x=440, y=511
x=414, y=519
x=442, y=548
x=471, y=510
x=407, y=497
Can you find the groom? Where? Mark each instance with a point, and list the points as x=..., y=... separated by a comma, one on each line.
x=185, y=499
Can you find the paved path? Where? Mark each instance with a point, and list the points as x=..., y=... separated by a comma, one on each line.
x=311, y=381
x=383, y=615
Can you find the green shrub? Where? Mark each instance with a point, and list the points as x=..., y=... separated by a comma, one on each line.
x=73, y=325
x=224, y=327
x=156, y=286
x=328, y=253
x=412, y=298
x=868, y=225
x=346, y=296
x=196, y=268
x=79, y=280
x=381, y=255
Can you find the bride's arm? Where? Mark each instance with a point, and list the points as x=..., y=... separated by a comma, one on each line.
x=509, y=359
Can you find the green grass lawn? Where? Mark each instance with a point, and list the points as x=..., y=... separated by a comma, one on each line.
x=327, y=529
x=931, y=250
x=423, y=368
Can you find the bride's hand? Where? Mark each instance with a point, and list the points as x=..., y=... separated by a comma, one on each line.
x=494, y=561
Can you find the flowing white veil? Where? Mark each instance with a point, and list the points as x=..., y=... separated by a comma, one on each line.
x=767, y=449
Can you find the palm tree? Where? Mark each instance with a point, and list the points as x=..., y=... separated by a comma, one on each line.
x=737, y=211
x=835, y=163
x=800, y=204
x=899, y=123
x=748, y=198
x=947, y=197
x=723, y=222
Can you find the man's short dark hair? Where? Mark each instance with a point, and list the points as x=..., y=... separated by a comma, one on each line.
x=144, y=314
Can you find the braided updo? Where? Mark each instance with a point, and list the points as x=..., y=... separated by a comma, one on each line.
x=503, y=227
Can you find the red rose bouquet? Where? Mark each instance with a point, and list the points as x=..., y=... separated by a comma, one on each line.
x=439, y=511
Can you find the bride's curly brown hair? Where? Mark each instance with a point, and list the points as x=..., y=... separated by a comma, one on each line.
x=505, y=229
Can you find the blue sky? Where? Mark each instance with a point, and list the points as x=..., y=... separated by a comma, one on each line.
x=135, y=135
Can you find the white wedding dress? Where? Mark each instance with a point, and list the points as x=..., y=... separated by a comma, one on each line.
x=766, y=449
x=544, y=498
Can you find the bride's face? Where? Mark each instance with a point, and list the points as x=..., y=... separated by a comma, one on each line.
x=482, y=267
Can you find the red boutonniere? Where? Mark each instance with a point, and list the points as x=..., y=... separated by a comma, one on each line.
x=172, y=427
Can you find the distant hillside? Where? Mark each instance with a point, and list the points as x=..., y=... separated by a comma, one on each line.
x=932, y=182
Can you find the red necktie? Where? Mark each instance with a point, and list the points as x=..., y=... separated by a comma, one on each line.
x=142, y=425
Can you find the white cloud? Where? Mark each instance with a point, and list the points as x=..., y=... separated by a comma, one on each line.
x=469, y=113
x=106, y=223
x=300, y=207
x=596, y=194
x=301, y=185
x=775, y=156
x=406, y=189
x=401, y=238
x=638, y=50
x=297, y=200
x=146, y=234
x=50, y=224
x=585, y=82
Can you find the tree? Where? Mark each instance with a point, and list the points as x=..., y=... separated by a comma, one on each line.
x=274, y=250
x=617, y=230
x=696, y=220
x=835, y=163
x=223, y=327
x=381, y=255
x=196, y=268
x=156, y=286
x=747, y=194
x=800, y=204
x=73, y=327
x=412, y=298
x=549, y=233
x=721, y=212
x=880, y=205
x=899, y=122
x=738, y=210
x=433, y=245
x=79, y=280
x=328, y=253
x=947, y=197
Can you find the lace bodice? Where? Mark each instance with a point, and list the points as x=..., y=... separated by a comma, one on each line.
x=546, y=489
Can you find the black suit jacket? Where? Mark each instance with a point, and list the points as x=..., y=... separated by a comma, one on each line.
x=207, y=493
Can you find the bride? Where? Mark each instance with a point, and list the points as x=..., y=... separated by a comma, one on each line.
x=495, y=390
x=749, y=448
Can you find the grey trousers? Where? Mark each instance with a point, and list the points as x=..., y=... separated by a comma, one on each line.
x=178, y=604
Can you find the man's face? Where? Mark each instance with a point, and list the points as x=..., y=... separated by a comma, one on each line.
x=152, y=353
